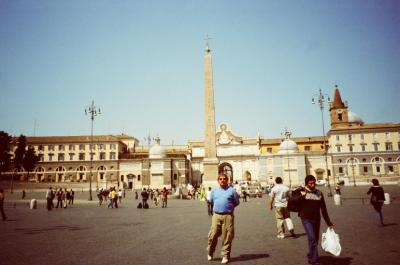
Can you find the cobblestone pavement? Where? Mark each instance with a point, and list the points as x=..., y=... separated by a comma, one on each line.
x=88, y=234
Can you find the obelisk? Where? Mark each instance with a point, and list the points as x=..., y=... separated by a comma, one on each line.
x=210, y=162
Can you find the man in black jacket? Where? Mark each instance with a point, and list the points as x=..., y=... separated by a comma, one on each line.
x=313, y=204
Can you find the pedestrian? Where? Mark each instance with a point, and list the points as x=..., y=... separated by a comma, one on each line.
x=2, y=197
x=23, y=194
x=49, y=198
x=64, y=198
x=244, y=195
x=59, y=194
x=68, y=197
x=223, y=199
x=145, y=197
x=113, y=197
x=278, y=199
x=119, y=196
x=136, y=195
x=164, y=194
x=208, y=201
x=337, y=189
x=100, y=196
x=313, y=204
x=72, y=196
x=157, y=197
x=377, y=199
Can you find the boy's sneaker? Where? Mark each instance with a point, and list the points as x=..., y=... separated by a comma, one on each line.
x=209, y=257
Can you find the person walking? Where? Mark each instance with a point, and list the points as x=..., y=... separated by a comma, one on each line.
x=278, y=199
x=23, y=194
x=64, y=198
x=223, y=199
x=157, y=197
x=145, y=197
x=72, y=196
x=312, y=205
x=100, y=196
x=59, y=194
x=49, y=198
x=2, y=197
x=337, y=189
x=119, y=196
x=208, y=201
x=377, y=199
x=164, y=194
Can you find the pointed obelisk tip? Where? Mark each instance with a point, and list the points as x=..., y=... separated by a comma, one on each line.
x=207, y=44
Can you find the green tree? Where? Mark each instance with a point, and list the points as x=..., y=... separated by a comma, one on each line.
x=30, y=160
x=5, y=157
x=19, y=153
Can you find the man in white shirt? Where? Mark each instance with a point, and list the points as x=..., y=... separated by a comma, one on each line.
x=279, y=200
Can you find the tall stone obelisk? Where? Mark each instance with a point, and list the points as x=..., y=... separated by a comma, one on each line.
x=210, y=162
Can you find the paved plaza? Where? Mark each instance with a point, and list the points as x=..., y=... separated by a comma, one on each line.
x=88, y=234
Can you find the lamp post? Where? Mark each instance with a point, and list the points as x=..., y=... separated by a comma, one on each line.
x=320, y=98
x=352, y=170
x=352, y=159
x=93, y=111
x=286, y=133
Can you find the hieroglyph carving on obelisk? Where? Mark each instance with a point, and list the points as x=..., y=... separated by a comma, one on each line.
x=210, y=162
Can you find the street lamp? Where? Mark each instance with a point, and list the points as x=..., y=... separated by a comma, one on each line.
x=352, y=170
x=93, y=111
x=286, y=133
x=352, y=159
x=320, y=98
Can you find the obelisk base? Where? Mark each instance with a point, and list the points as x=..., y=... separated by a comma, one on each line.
x=210, y=167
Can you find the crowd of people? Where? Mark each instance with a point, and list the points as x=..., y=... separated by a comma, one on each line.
x=310, y=205
x=64, y=197
x=221, y=202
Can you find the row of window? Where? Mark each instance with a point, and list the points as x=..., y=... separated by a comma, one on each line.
x=81, y=157
x=364, y=160
x=362, y=136
x=363, y=147
x=365, y=169
x=81, y=147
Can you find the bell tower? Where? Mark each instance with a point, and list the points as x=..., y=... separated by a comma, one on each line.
x=338, y=111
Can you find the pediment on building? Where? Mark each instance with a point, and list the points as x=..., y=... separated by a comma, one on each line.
x=225, y=136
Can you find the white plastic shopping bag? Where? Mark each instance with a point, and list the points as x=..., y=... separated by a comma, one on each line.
x=330, y=242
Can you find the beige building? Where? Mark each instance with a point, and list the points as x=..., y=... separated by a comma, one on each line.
x=361, y=151
x=67, y=158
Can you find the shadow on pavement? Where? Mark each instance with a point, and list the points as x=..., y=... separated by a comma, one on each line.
x=389, y=224
x=33, y=231
x=299, y=235
x=329, y=260
x=245, y=257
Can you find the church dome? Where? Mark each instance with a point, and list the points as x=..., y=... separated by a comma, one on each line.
x=353, y=117
x=157, y=151
x=288, y=146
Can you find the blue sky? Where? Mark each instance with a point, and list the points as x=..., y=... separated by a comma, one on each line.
x=142, y=63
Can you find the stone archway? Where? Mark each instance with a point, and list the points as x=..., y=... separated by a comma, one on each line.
x=131, y=178
x=226, y=168
x=247, y=175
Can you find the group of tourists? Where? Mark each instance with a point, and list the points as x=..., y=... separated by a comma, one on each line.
x=112, y=195
x=155, y=195
x=309, y=203
x=64, y=197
